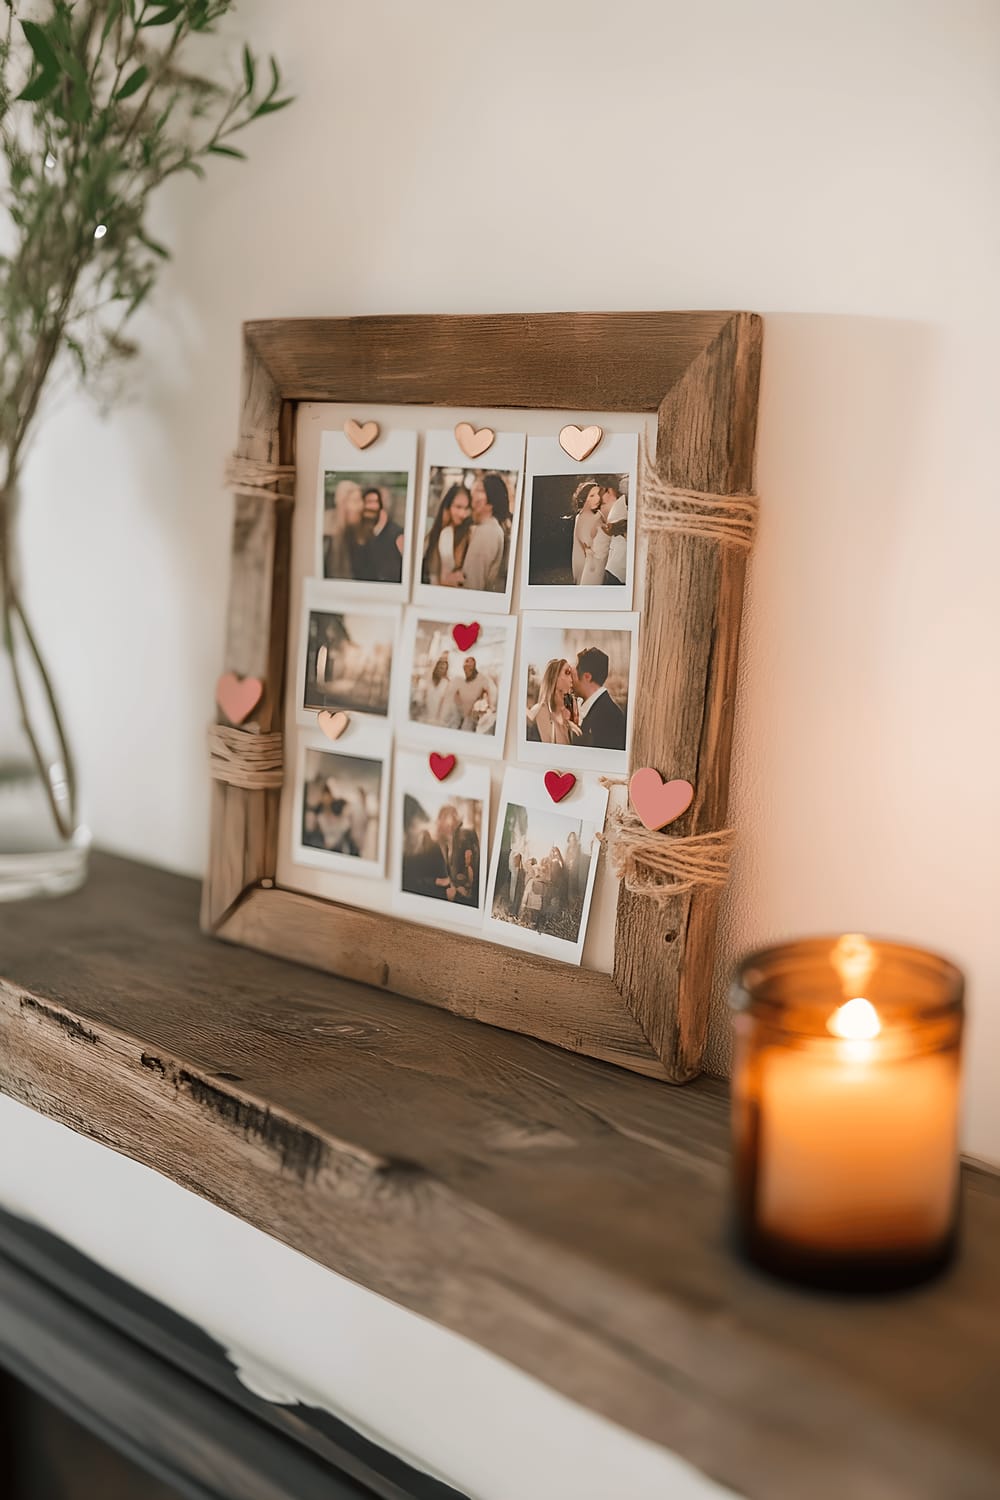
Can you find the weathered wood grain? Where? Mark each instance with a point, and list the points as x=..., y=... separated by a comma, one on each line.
x=244, y=829
x=693, y=602
x=652, y=1017
x=565, y=1215
x=480, y=981
x=565, y=361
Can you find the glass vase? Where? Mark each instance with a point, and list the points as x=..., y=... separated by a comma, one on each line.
x=43, y=845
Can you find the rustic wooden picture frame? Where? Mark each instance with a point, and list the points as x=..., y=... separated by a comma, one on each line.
x=699, y=371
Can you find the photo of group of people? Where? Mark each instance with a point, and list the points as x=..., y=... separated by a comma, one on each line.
x=408, y=639
x=543, y=866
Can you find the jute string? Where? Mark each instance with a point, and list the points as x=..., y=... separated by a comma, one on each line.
x=729, y=520
x=254, y=762
x=248, y=476
x=662, y=865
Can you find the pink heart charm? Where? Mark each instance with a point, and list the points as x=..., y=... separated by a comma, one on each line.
x=658, y=802
x=465, y=635
x=441, y=765
x=238, y=696
x=559, y=784
x=332, y=725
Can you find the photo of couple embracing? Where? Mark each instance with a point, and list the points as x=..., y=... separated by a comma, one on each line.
x=467, y=544
x=571, y=701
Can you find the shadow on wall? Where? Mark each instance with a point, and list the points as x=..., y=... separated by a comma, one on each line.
x=846, y=407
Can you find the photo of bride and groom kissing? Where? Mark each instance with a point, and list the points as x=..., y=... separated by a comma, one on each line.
x=572, y=704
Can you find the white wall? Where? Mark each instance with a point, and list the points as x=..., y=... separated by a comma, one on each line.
x=833, y=167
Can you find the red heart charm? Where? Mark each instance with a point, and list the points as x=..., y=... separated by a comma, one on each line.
x=238, y=696
x=465, y=635
x=658, y=802
x=441, y=765
x=559, y=784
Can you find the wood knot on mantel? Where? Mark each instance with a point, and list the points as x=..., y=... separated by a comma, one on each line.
x=245, y=759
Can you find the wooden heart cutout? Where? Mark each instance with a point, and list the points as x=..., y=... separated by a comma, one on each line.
x=333, y=725
x=441, y=765
x=473, y=442
x=559, y=784
x=580, y=442
x=361, y=434
x=465, y=635
x=658, y=802
x=238, y=696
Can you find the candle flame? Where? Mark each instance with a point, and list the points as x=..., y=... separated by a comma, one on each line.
x=854, y=959
x=855, y=1021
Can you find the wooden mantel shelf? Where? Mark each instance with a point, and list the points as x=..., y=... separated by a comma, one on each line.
x=565, y=1215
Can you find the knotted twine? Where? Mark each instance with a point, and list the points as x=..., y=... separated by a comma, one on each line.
x=249, y=476
x=656, y=864
x=729, y=520
x=242, y=758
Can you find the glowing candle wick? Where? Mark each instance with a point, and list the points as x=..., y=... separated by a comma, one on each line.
x=855, y=1021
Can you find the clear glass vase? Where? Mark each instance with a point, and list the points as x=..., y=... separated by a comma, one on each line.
x=43, y=846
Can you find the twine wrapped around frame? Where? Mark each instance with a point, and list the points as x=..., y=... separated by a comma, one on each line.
x=729, y=520
x=662, y=865
x=241, y=758
x=250, y=476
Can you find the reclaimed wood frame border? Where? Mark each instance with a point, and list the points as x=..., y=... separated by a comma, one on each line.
x=700, y=372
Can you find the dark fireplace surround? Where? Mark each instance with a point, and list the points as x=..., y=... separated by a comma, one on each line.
x=154, y=1407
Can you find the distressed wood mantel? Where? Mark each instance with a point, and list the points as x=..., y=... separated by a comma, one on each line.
x=563, y=1214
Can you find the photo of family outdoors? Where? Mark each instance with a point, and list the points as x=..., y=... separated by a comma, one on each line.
x=442, y=848
x=341, y=805
x=468, y=525
x=465, y=692
x=542, y=872
x=348, y=660
x=576, y=689
x=364, y=526
x=579, y=531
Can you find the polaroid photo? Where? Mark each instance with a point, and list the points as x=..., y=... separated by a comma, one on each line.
x=470, y=511
x=340, y=813
x=580, y=525
x=347, y=654
x=576, y=690
x=454, y=691
x=543, y=866
x=364, y=514
x=441, y=841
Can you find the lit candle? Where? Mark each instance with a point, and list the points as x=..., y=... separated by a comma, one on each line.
x=845, y=1110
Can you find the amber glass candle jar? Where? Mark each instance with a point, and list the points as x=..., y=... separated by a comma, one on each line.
x=845, y=1111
